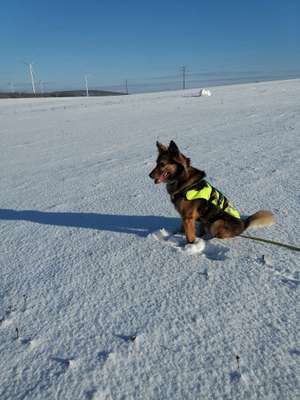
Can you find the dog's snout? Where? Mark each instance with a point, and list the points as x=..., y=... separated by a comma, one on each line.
x=151, y=175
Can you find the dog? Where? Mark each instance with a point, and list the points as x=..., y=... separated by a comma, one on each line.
x=196, y=200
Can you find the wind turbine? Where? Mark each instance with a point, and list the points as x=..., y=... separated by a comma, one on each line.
x=86, y=85
x=31, y=75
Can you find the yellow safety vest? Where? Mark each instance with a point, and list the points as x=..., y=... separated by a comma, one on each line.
x=211, y=194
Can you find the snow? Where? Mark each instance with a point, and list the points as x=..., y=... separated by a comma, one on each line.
x=99, y=299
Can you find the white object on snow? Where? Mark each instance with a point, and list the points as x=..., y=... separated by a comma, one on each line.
x=194, y=248
x=178, y=241
x=205, y=92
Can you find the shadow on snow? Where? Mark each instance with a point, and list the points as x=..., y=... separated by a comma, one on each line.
x=139, y=225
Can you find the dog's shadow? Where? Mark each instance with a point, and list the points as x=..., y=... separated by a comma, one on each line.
x=134, y=224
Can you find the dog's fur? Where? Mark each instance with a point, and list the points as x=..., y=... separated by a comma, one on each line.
x=174, y=169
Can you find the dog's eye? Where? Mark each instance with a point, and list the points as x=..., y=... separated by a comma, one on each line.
x=162, y=164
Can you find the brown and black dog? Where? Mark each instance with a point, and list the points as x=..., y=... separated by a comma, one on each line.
x=174, y=169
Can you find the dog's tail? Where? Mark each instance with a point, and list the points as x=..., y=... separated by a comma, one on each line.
x=260, y=219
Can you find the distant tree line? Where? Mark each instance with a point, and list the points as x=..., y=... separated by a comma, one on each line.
x=59, y=93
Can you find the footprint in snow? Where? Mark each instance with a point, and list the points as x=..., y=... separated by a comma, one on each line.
x=95, y=394
x=90, y=394
x=10, y=310
x=290, y=282
x=215, y=252
x=25, y=341
x=29, y=342
x=134, y=343
x=103, y=356
x=296, y=275
x=205, y=274
x=235, y=377
x=65, y=363
x=127, y=338
x=294, y=352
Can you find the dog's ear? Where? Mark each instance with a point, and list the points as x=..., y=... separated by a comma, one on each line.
x=173, y=149
x=161, y=147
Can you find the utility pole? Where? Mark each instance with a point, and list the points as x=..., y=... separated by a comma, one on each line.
x=183, y=72
x=41, y=84
x=126, y=87
x=86, y=85
x=12, y=87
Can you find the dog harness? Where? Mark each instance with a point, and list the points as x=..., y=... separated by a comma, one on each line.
x=212, y=195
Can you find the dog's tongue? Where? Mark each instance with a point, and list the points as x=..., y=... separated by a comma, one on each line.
x=161, y=178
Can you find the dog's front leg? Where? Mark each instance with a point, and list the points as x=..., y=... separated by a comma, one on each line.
x=189, y=229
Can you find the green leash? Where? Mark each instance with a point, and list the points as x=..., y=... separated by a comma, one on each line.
x=258, y=239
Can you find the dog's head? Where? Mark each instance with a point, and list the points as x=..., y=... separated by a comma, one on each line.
x=170, y=163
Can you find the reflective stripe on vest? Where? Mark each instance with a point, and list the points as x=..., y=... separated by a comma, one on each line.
x=216, y=198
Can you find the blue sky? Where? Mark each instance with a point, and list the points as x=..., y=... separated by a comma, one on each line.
x=115, y=40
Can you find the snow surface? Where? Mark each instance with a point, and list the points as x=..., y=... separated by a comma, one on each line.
x=97, y=299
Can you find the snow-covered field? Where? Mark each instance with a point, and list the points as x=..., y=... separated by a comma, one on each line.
x=94, y=302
